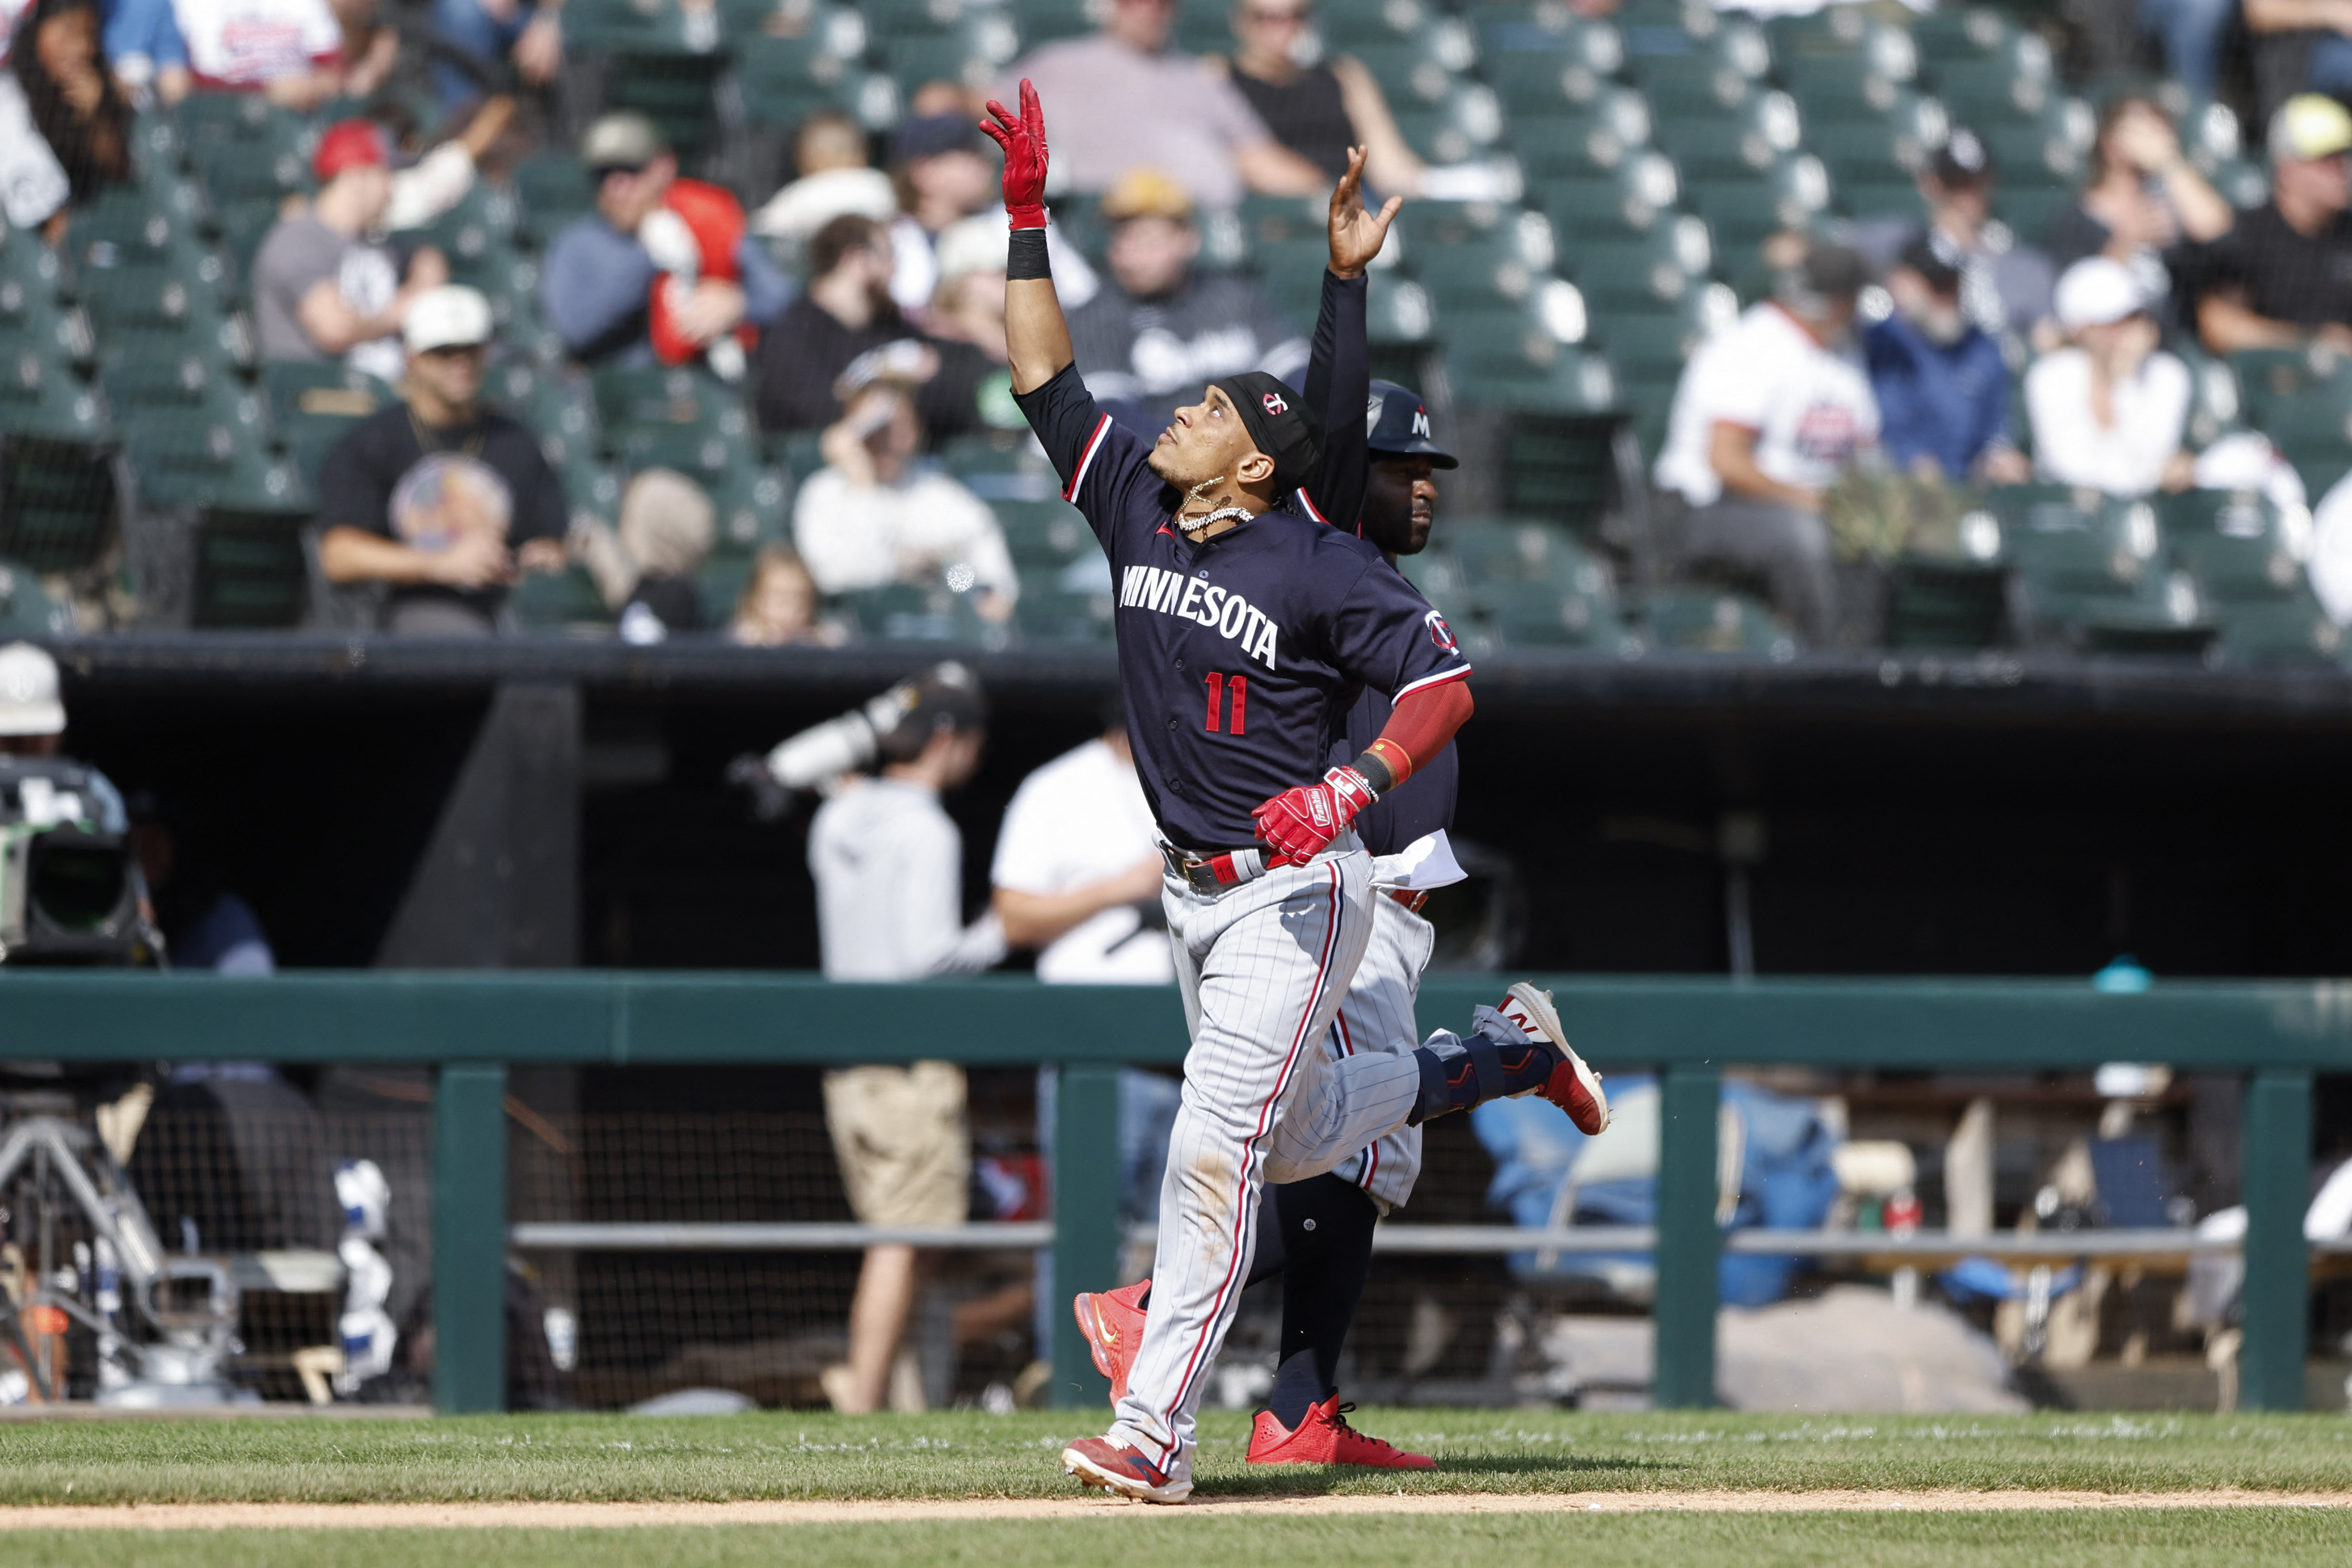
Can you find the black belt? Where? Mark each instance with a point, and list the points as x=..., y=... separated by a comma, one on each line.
x=1211, y=873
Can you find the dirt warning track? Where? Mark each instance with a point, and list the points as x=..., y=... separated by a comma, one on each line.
x=624, y=1515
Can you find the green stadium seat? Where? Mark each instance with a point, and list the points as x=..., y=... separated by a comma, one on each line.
x=559, y=601
x=2084, y=564
x=1465, y=124
x=907, y=613
x=1659, y=270
x=237, y=171
x=1580, y=144
x=1560, y=466
x=1556, y=79
x=1573, y=382
x=2288, y=631
x=1052, y=611
x=1629, y=198
x=209, y=465
x=60, y=507
x=2034, y=152
x=40, y=395
x=1838, y=92
x=2238, y=545
x=1547, y=614
x=1714, y=620
x=551, y=190
x=1952, y=604
x=1045, y=534
x=1520, y=551
x=1409, y=74
x=1960, y=33
x=26, y=608
x=666, y=398
x=752, y=504
x=313, y=406
x=251, y=571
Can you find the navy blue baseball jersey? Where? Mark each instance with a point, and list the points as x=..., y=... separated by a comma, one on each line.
x=1241, y=656
x=1339, y=380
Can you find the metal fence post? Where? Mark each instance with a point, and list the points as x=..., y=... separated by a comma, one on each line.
x=469, y=1238
x=1688, y=1238
x=1086, y=1170
x=2277, y=1180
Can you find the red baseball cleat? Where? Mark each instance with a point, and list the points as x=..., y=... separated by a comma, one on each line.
x=1573, y=1087
x=1112, y=1322
x=1324, y=1438
x=1116, y=1467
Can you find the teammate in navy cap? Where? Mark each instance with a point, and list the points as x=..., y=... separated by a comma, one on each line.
x=1246, y=634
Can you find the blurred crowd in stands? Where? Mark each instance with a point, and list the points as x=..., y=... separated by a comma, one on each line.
x=778, y=410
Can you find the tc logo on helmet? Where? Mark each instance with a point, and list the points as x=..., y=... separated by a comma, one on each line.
x=1273, y=403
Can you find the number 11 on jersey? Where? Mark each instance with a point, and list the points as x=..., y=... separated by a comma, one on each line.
x=1218, y=686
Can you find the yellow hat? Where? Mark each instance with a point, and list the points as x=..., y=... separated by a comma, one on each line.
x=1147, y=192
x=2310, y=125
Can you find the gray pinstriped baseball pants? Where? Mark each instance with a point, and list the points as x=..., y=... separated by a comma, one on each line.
x=1263, y=968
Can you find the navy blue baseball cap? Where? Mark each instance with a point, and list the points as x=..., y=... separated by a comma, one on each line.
x=1397, y=426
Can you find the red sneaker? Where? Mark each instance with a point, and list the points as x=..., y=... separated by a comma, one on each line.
x=1112, y=1322
x=1116, y=1467
x=1573, y=1087
x=1324, y=1438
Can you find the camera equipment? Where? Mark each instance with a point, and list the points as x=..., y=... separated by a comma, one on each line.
x=946, y=694
x=70, y=888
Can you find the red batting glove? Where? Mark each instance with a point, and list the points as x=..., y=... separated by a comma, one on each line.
x=1299, y=822
x=1023, y=141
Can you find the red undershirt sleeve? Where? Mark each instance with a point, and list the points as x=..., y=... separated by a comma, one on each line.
x=1418, y=728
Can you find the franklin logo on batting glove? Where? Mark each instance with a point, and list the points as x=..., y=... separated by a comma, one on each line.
x=1299, y=823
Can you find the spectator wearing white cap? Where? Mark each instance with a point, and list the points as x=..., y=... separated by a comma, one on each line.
x=2108, y=410
x=2283, y=277
x=437, y=499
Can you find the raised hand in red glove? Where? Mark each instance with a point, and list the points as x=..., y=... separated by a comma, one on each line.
x=1023, y=141
x=1298, y=823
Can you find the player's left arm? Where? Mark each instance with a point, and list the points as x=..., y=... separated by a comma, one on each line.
x=1339, y=376
x=1387, y=636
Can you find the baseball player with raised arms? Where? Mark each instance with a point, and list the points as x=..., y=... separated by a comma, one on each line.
x=1318, y=1233
x=1247, y=632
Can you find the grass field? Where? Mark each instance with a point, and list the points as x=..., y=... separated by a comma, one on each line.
x=797, y=1456
x=577, y=1458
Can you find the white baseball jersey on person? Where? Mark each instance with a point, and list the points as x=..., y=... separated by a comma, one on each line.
x=246, y=45
x=2127, y=457
x=888, y=864
x=1078, y=820
x=1811, y=409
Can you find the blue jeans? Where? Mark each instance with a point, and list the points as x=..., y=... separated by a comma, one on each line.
x=146, y=27
x=2191, y=31
x=2331, y=65
x=466, y=25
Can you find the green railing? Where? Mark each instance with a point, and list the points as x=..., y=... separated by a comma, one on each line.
x=473, y=1026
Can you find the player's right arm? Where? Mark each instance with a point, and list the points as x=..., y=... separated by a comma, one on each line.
x=1339, y=376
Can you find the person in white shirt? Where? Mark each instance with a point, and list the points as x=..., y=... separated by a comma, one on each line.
x=1077, y=875
x=2108, y=410
x=876, y=514
x=1768, y=414
x=888, y=864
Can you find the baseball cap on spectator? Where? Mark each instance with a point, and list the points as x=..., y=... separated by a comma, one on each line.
x=2097, y=291
x=1147, y=192
x=624, y=140
x=1276, y=419
x=968, y=245
x=351, y=144
x=1963, y=160
x=450, y=316
x=1934, y=268
x=2310, y=125
x=932, y=135
x=29, y=693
